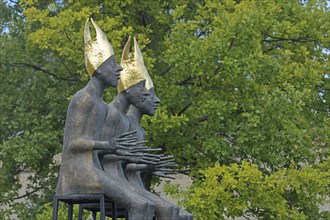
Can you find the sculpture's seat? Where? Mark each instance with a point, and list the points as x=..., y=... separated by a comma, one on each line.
x=99, y=201
x=111, y=210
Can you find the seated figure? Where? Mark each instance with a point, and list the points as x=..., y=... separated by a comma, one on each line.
x=81, y=171
x=132, y=91
x=165, y=166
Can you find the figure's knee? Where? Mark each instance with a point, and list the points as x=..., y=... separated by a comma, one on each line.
x=141, y=209
x=175, y=210
x=184, y=215
x=190, y=216
x=149, y=208
x=167, y=211
x=144, y=204
x=149, y=205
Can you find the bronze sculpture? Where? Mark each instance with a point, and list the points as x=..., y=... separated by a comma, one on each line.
x=100, y=139
x=132, y=91
x=166, y=164
x=81, y=171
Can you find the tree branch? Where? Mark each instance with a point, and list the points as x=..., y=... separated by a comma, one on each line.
x=201, y=119
x=166, y=70
x=246, y=217
x=318, y=109
x=28, y=194
x=38, y=68
x=66, y=67
x=186, y=81
x=184, y=109
x=185, y=171
x=15, y=2
x=301, y=39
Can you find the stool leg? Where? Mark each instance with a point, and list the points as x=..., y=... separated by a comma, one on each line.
x=55, y=208
x=94, y=215
x=70, y=211
x=102, y=208
x=80, y=212
x=114, y=211
x=126, y=215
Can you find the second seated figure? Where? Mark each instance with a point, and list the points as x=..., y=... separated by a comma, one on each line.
x=166, y=164
x=132, y=91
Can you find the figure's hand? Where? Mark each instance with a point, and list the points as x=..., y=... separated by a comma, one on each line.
x=123, y=144
x=167, y=162
x=165, y=173
x=144, y=149
x=165, y=167
x=134, y=167
x=143, y=158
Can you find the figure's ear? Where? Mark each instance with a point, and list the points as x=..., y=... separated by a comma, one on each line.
x=144, y=83
x=98, y=71
x=127, y=91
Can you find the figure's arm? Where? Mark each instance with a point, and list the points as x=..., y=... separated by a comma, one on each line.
x=132, y=168
x=165, y=165
x=90, y=145
x=81, y=125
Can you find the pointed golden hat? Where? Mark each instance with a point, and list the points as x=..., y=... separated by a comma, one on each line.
x=134, y=70
x=96, y=51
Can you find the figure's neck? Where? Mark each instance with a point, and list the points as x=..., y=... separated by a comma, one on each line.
x=96, y=86
x=121, y=102
x=135, y=114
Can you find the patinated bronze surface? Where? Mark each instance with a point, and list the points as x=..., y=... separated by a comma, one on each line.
x=144, y=101
x=162, y=168
x=81, y=171
x=100, y=140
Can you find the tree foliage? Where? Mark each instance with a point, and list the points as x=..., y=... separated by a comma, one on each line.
x=238, y=80
x=243, y=190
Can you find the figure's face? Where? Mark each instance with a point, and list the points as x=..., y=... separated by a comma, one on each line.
x=109, y=72
x=144, y=100
x=138, y=94
x=151, y=103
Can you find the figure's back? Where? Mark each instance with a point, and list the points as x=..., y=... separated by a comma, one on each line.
x=116, y=123
x=85, y=117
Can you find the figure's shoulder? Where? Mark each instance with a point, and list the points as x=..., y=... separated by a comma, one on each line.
x=82, y=98
x=113, y=113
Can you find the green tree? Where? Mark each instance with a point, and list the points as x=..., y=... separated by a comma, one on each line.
x=35, y=90
x=243, y=190
x=239, y=80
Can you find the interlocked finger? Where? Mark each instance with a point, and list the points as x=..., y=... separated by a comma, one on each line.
x=127, y=134
x=130, y=139
x=170, y=164
x=133, y=138
x=167, y=157
x=143, y=149
x=166, y=161
x=148, y=161
x=122, y=147
x=163, y=175
x=165, y=170
x=140, y=148
x=154, y=160
x=127, y=143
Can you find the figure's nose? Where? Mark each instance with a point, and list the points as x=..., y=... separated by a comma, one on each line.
x=157, y=100
x=119, y=68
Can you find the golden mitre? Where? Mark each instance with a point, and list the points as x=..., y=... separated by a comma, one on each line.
x=149, y=83
x=96, y=51
x=134, y=70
